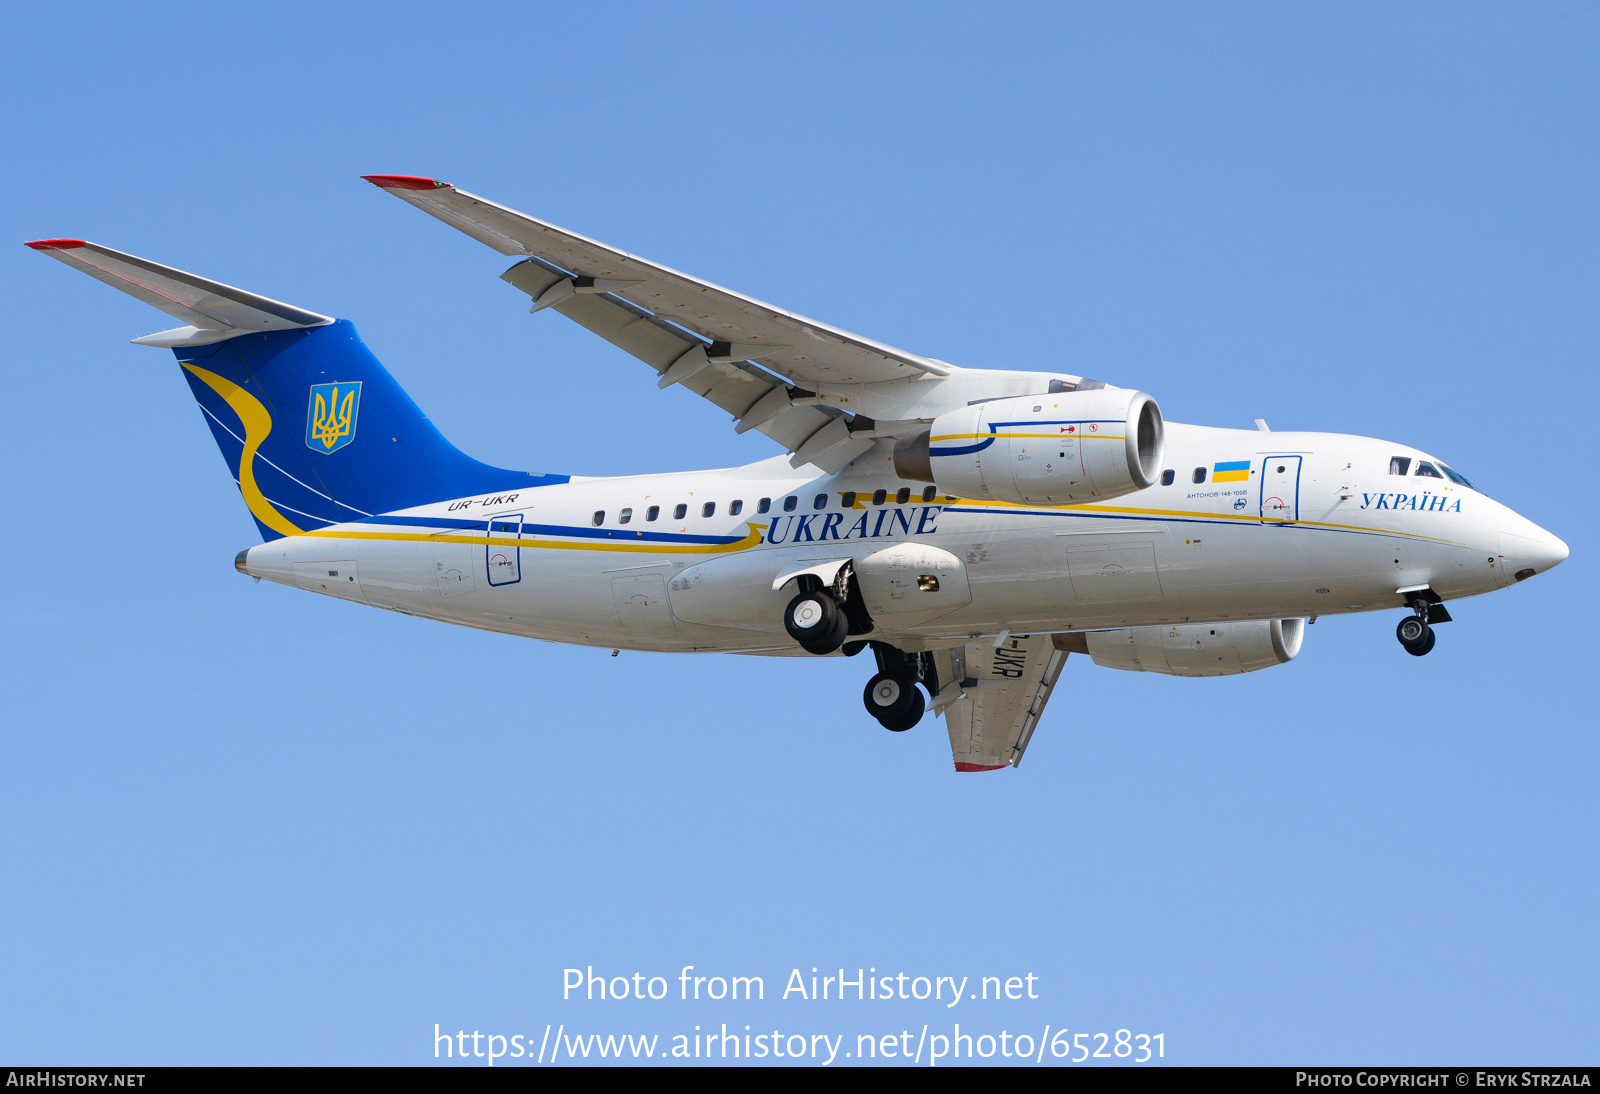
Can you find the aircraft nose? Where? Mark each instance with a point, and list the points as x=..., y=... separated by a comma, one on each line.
x=1531, y=551
x=1555, y=553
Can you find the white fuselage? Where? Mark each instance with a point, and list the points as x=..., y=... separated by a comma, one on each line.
x=1332, y=532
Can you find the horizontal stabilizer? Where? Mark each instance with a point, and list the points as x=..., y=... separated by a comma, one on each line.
x=213, y=311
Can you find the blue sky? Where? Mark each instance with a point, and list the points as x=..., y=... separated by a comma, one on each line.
x=243, y=824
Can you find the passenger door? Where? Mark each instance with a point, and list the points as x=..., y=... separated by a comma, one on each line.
x=1280, y=490
x=502, y=555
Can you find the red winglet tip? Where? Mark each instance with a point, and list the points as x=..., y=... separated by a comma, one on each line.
x=405, y=182
x=961, y=766
x=56, y=244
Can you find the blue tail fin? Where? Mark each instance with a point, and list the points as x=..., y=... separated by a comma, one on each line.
x=316, y=431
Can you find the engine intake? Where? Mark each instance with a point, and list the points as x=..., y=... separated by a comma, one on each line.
x=1059, y=449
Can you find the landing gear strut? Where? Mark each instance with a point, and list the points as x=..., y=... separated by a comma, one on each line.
x=892, y=696
x=821, y=618
x=1416, y=633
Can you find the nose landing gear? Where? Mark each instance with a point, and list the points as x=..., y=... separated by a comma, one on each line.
x=1415, y=635
x=1415, y=632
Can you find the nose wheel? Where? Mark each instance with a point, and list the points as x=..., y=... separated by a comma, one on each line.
x=1416, y=631
x=1415, y=635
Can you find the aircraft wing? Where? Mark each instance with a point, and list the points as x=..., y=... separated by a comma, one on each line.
x=214, y=311
x=801, y=349
x=749, y=358
x=992, y=697
x=758, y=399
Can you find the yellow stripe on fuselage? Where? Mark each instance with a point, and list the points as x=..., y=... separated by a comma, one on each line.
x=754, y=537
x=758, y=531
x=1245, y=518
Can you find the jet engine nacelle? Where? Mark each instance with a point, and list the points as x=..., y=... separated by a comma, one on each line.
x=1199, y=649
x=1059, y=449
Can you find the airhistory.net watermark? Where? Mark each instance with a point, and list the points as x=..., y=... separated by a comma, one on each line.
x=929, y=1046
x=809, y=1006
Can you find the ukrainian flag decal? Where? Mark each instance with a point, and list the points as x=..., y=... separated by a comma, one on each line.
x=1236, y=471
x=331, y=417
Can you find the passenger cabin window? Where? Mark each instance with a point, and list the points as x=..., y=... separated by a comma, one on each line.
x=879, y=497
x=1399, y=465
x=929, y=493
x=1167, y=476
x=789, y=503
x=679, y=511
x=902, y=495
x=764, y=505
x=819, y=502
x=625, y=516
x=1199, y=474
x=848, y=499
x=1426, y=470
x=708, y=509
x=735, y=507
x=652, y=513
x=599, y=517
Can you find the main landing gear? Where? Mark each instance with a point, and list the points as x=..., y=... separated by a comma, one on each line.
x=822, y=619
x=892, y=695
x=815, y=620
x=1415, y=632
x=894, y=700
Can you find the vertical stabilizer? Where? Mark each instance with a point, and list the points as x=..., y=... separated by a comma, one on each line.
x=316, y=431
x=313, y=428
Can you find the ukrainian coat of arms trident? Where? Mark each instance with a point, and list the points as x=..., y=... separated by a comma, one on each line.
x=331, y=417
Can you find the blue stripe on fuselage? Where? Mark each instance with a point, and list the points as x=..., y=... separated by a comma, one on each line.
x=458, y=524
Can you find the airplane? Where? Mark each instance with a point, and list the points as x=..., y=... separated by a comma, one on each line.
x=970, y=527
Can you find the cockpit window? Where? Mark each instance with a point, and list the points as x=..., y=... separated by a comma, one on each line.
x=1426, y=470
x=1399, y=465
x=1457, y=477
